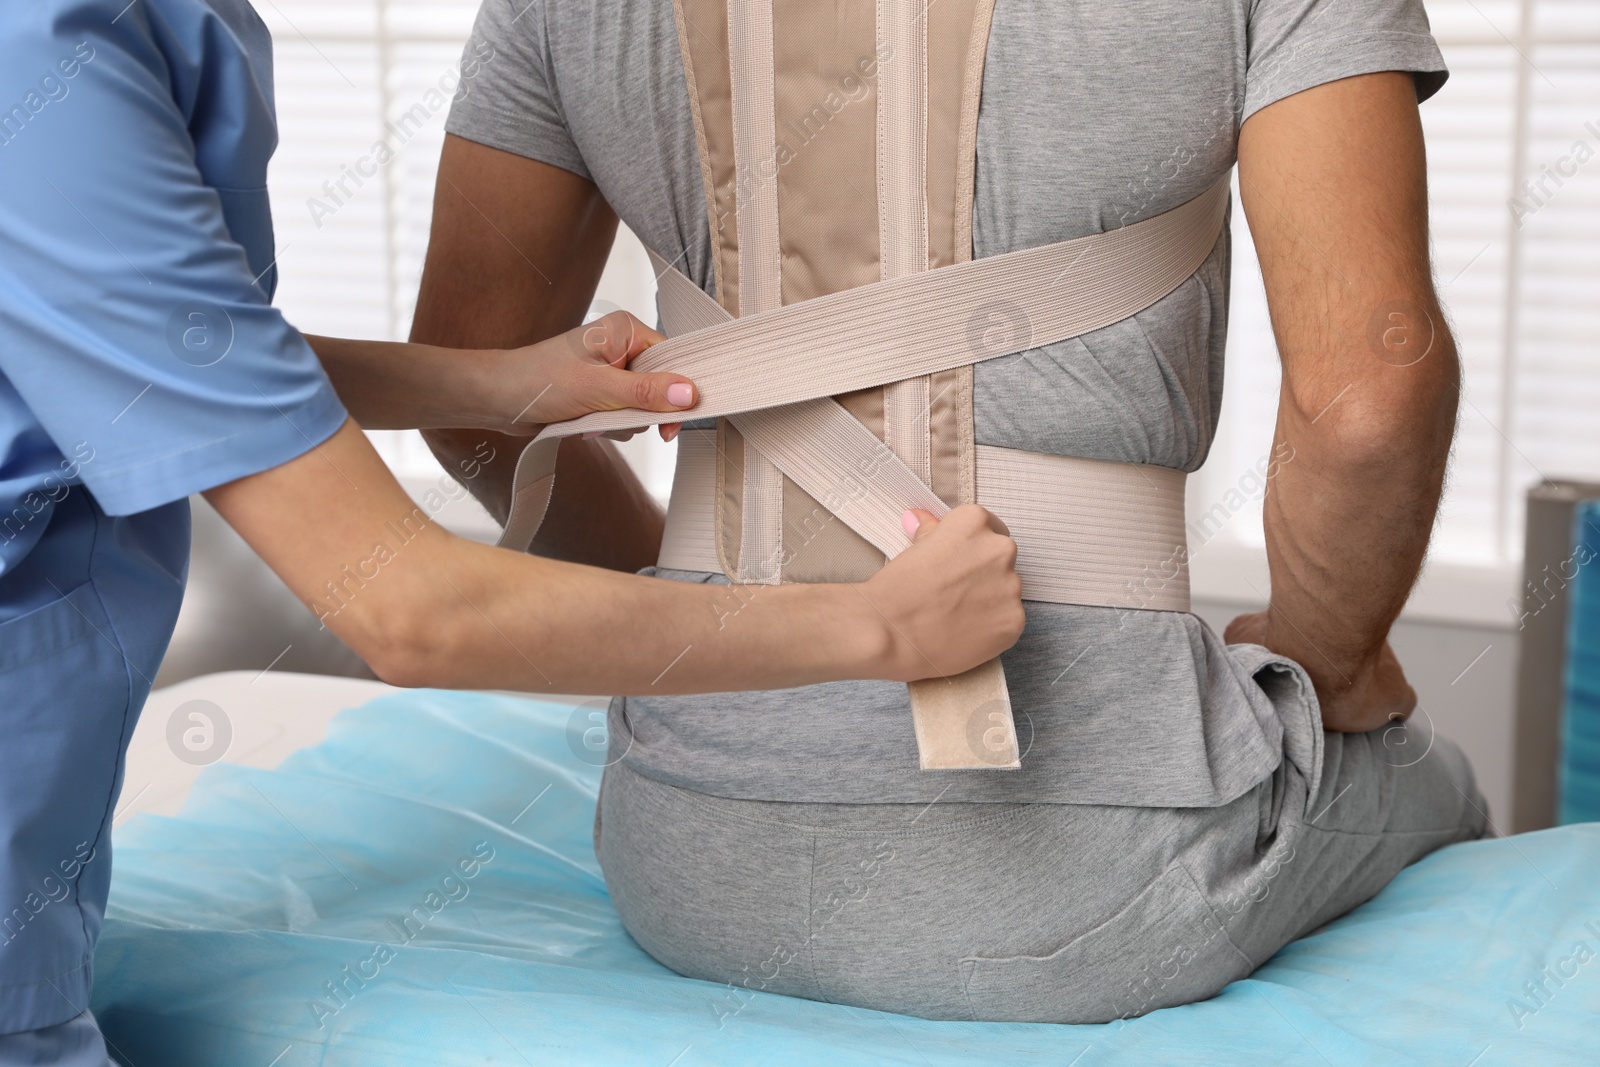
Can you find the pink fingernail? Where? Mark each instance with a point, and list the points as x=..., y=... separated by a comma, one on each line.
x=680, y=394
x=590, y=435
x=909, y=523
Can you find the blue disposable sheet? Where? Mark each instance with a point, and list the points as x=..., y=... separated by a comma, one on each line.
x=422, y=889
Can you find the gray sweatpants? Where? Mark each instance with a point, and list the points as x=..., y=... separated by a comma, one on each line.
x=1023, y=912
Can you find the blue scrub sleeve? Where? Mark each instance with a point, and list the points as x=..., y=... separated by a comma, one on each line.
x=138, y=326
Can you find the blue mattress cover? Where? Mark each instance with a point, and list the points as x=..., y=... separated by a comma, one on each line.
x=422, y=889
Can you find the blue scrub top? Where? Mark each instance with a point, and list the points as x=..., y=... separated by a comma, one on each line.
x=140, y=362
x=139, y=355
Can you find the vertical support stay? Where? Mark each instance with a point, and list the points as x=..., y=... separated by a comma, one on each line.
x=760, y=261
x=965, y=721
x=902, y=146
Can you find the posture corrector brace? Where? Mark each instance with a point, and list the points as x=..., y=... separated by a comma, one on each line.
x=837, y=358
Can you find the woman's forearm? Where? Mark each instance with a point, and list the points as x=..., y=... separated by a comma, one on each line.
x=410, y=386
x=497, y=619
x=407, y=386
x=464, y=397
x=424, y=608
x=508, y=621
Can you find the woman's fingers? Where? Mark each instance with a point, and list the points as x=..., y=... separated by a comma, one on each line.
x=918, y=522
x=611, y=343
x=616, y=338
x=953, y=599
x=660, y=391
x=586, y=370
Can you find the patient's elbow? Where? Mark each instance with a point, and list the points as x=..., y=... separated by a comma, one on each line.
x=1376, y=424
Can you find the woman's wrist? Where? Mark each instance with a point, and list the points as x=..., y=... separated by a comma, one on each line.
x=855, y=640
x=496, y=388
x=815, y=633
x=447, y=388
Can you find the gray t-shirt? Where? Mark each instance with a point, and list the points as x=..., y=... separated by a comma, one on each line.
x=1092, y=116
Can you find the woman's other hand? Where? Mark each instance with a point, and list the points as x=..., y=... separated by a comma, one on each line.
x=953, y=599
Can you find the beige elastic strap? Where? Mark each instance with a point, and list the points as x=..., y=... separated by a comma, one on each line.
x=902, y=144
x=830, y=455
x=760, y=262
x=817, y=443
x=1091, y=523
x=964, y=721
x=532, y=483
x=689, y=540
x=1088, y=531
x=904, y=327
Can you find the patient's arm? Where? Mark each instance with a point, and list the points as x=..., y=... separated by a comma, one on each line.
x=514, y=256
x=1333, y=182
x=424, y=608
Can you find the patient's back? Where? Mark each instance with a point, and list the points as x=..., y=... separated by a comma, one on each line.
x=1092, y=117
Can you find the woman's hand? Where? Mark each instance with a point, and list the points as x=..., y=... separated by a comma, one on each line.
x=953, y=599
x=584, y=370
x=1375, y=695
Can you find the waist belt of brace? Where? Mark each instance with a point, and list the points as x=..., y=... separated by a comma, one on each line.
x=1088, y=531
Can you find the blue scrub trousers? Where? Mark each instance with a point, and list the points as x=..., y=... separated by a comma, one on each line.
x=74, y=1043
x=74, y=674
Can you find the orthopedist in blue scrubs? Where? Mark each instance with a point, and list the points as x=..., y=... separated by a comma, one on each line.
x=141, y=362
x=153, y=369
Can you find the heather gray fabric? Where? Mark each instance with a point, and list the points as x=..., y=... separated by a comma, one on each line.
x=1093, y=115
x=1064, y=913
